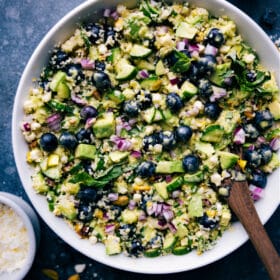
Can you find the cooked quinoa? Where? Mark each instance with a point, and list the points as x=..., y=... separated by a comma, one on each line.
x=140, y=121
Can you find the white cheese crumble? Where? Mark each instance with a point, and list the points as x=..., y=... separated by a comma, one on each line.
x=14, y=243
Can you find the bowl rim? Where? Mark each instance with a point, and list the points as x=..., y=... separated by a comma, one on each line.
x=53, y=223
x=8, y=201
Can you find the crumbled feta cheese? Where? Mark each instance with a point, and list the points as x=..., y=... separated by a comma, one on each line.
x=249, y=58
x=137, y=197
x=102, y=49
x=14, y=243
x=35, y=126
x=79, y=268
x=29, y=137
x=216, y=179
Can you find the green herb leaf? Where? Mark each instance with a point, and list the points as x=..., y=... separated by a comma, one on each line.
x=182, y=64
x=60, y=107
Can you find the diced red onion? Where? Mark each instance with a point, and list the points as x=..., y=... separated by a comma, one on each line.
x=113, y=196
x=218, y=93
x=115, y=15
x=256, y=192
x=107, y=13
x=87, y=64
x=180, y=201
x=151, y=209
x=162, y=225
x=110, y=228
x=239, y=136
x=26, y=126
x=165, y=206
x=174, y=81
x=172, y=227
x=275, y=144
x=261, y=140
x=54, y=122
x=131, y=204
x=89, y=122
x=251, y=148
x=121, y=144
x=136, y=154
x=168, y=178
x=210, y=50
x=143, y=74
x=78, y=100
x=181, y=45
x=158, y=209
x=193, y=48
x=132, y=121
x=175, y=194
x=142, y=216
x=168, y=215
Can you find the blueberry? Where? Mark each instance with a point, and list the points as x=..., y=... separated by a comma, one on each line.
x=263, y=120
x=136, y=247
x=183, y=133
x=48, y=142
x=205, y=88
x=215, y=37
x=251, y=131
x=266, y=153
x=110, y=33
x=206, y=222
x=131, y=108
x=146, y=102
x=58, y=58
x=68, y=140
x=193, y=73
x=96, y=32
x=174, y=102
x=167, y=139
x=75, y=71
x=85, y=213
x=99, y=65
x=87, y=195
x=269, y=18
x=146, y=169
x=101, y=81
x=251, y=76
x=84, y=135
x=212, y=110
x=206, y=65
x=253, y=158
x=150, y=140
x=88, y=112
x=259, y=179
x=191, y=163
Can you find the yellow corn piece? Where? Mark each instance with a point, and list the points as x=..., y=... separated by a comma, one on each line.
x=242, y=163
x=119, y=23
x=28, y=157
x=141, y=188
x=74, y=277
x=53, y=160
x=211, y=213
x=98, y=214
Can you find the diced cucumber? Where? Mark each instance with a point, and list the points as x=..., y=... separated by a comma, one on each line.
x=129, y=216
x=229, y=120
x=125, y=71
x=139, y=51
x=274, y=108
x=175, y=184
x=143, y=64
x=148, y=115
x=168, y=167
x=167, y=115
x=112, y=245
x=158, y=116
x=63, y=91
x=205, y=148
x=169, y=241
x=100, y=232
x=195, y=208
x=115, y=56
x=148, y=233
x=213, y=134
x=116, y=96
x=160, y=69
x=57, y=79
x=152, y=253
x=188, y=90
x=185, y=30
x=181, y=250
x=51, y=172
x=228, y=160
x=85, y=151
x=118, y=156
x=104, y=126
x=161, y=188
x=151, y=84
x=194, y=178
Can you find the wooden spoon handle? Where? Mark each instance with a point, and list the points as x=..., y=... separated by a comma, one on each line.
x=249, y=218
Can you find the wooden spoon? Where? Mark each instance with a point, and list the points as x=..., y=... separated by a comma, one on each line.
x=242, y=205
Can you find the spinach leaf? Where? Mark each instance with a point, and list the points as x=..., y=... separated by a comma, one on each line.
x=86, y=179
x=182, y=64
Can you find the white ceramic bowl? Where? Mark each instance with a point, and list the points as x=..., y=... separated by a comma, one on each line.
x=233, y=238
x=31, y=222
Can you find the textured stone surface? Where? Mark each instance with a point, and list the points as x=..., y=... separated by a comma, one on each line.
x=23, y=23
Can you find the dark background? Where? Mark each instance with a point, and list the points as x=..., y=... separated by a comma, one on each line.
x=23, y=23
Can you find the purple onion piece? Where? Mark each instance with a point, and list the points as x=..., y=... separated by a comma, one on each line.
x=78, y=100
x=166, y=206
x=256, y=192
x=87, y=64
x=142, y=216
x=158, y=209
x=54, y=122
x=168, y=215
x=113, y=196
x=89, y=122
x=107, y=13
x=168, y=178
x=251, y=147
x=143, y=74
x=131, y=204
x=210, y=50
x=151, y=210
x=115, y=15
x=193, y=48
x=27, y=126
x=175, y=194
x=172, y=227
x=218, y=93
x=110, y=228
x=181, y=45
x=174, y=81
x=261, y=140
x=275, y=144
x=136, y=154
x=239, y=136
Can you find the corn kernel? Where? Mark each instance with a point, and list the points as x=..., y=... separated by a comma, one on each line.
x=211, y=213
x=141, y=188
x=98, y=214
x=28, y=157
x=242, y=163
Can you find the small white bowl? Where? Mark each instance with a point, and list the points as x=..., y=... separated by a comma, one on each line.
x=32, y=225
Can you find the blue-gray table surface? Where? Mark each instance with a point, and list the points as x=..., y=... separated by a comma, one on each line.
x=23, y=23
